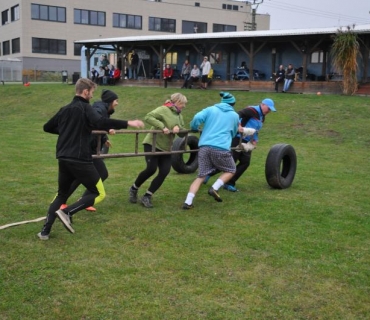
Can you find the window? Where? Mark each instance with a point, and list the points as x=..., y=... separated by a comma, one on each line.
x=127, y=21
x=49, y=46
x=197, y=4
x=317, y=57
x=194, y=27
x=215, y=57
x=162, y=24
x=14, y=13
x=171, y=58
x=5, y=17
x=16, y=45
x=48, y=13
x=223, y=28
x=6, y=48
x=94, y=18
x=77, y=49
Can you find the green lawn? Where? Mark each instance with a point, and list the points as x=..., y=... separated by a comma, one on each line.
x=297, y=253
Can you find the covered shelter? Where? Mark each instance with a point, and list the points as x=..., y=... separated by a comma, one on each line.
x=260, y=51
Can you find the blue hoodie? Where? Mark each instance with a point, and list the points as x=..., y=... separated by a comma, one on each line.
x=220, y=125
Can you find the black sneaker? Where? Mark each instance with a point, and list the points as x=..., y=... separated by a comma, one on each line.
x=133, y=195
x=186, y=206
x=212, y=192
x=65, y=219
x=146, y=201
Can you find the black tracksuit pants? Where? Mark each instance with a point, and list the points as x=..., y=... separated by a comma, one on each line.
x=87, y=175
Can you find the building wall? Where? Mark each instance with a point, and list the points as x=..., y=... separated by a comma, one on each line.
x=209, y=11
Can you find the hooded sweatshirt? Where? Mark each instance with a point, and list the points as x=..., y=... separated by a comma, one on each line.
x=220, y=125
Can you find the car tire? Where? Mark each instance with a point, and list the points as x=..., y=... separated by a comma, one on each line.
x=178, y=162
x=281, y=166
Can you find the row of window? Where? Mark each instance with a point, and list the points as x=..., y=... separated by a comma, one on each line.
x=128, y=21
x=14, y=48
x=14, y=15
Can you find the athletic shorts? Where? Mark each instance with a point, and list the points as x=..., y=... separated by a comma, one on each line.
x=210, y=159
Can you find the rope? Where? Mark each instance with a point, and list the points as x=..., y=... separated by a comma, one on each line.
x=19, y=223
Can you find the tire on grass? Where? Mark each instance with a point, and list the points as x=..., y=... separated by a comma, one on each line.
x=178, y=162
x=281, y=166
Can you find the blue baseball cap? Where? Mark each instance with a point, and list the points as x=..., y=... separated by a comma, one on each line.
x=268, y=102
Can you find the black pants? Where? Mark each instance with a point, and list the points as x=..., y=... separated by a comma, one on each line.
x=87, y=175
x=242, y=160
x=103, y=173
x=277, y=84
x=161, y=162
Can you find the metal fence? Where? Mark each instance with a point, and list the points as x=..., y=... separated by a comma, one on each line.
x=11, y=70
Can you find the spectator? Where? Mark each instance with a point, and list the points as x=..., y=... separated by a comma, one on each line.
x=206, y=67
x=106, y=75
x=279, y=77
x=185, y=73
x=101, y=75
x=194, y=76
x=104, y=62
x=134, y=61
x=169, y=120
x=94, y=75
x=167, y=75
x=289, y=77
x=116, y=76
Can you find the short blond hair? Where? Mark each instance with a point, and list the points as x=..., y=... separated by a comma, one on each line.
x=178, y=97
x=83, y=84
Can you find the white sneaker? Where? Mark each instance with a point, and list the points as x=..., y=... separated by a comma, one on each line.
x=65, y=220
x=43, y=237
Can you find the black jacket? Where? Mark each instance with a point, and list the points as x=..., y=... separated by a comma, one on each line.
x=102, y=108
x=74, y=123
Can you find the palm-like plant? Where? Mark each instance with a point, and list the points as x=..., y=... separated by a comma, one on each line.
x=344, y=54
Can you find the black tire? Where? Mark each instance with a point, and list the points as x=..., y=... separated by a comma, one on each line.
x=281, y=165
x=178, y=163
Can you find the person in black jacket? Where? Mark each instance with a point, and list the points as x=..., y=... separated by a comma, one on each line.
x=279, y=77
x=105, y=107
x=74, y=124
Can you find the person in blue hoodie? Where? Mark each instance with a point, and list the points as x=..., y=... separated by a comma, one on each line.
x=220, y=124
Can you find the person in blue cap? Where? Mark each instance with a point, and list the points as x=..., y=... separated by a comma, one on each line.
x=220, y=124
x=251, y=119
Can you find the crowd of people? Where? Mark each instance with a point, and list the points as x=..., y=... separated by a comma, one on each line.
x=220, y=150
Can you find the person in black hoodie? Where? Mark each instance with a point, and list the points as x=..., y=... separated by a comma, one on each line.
x=74, y=124
x=105, y=107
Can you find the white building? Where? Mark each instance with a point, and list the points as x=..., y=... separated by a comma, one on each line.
x=41, y=33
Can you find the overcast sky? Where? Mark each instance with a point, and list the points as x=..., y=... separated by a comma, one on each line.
x=296, y=14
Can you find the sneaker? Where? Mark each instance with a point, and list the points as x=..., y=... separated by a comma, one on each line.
x=146, y=201
x=133, y=195
x=186, y=206
x=213, y=193
x=43, y=236
x=231, y=188
x=206, y=179
x=91, y=209
x=63, y=206
x=64, y=218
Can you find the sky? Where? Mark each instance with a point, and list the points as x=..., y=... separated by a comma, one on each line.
x=297, y=14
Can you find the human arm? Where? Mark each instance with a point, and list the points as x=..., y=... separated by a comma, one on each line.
x=52, y=125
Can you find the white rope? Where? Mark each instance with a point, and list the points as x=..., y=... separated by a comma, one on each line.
x=22, y=222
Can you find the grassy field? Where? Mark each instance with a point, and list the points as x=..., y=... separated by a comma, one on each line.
x=297, y=253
